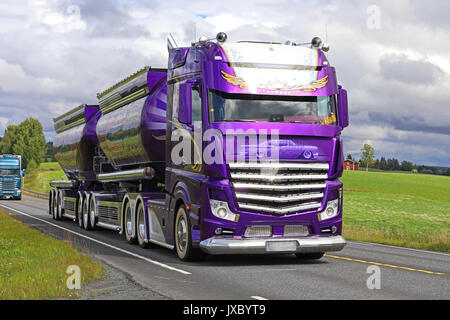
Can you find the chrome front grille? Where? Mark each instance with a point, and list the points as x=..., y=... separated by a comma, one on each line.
x=279, y=188
x=8, y=185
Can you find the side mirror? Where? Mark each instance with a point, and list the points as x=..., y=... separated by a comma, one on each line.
x=23, y=173
x=343, y=108
x=185, y=106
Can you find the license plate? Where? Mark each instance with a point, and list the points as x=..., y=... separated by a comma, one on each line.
x=281, y=246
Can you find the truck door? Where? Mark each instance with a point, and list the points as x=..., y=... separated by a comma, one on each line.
x=186, y=135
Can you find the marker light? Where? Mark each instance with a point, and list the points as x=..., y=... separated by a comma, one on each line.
x=316, y=42
x=221, y=37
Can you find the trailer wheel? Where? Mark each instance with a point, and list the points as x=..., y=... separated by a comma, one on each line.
x=92, y=217
x=85, y=211
x=80, y=212
x=183, y=237
x=310, y=256
x=128, y=225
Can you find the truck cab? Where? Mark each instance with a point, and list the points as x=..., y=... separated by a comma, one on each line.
x=262, y=173
x=11, y=174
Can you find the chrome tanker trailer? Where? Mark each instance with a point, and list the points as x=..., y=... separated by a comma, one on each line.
x=217, y=100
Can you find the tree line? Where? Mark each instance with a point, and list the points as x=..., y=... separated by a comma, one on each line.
x=392, y=164
x=26, y=139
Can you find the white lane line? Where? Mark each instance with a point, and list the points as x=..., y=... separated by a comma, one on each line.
x=101, y=242
x=258, y=298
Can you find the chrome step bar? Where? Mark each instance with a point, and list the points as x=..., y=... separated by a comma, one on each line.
x=108, y=226
x=128, y=175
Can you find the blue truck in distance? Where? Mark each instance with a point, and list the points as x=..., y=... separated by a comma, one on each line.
x=11, y=174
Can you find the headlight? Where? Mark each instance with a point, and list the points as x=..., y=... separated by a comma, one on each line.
x=220, y=209
x=331, y=211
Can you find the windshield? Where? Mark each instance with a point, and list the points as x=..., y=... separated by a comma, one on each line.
x=9, y=172
x=229, y=107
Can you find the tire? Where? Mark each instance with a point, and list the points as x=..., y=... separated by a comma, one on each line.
x=80, y=212
x=55, y=206
x=85, y=215
x=50, y=202
x=310, y=256
x=92, y=217
x=128, y=225
x=59, y=210
x=141, y=227
x=183, y=237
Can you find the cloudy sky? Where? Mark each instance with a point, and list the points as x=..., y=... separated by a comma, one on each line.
x=392, y=56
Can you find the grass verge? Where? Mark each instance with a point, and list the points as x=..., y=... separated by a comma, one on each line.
x=39, y=179
x=397, y=209
x=33, y=265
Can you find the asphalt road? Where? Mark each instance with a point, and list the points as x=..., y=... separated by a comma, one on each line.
x=404, y=273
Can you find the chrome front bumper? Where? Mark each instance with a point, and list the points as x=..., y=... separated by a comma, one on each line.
x=217, y=245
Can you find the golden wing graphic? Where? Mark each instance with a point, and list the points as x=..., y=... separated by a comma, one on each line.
x=235, y=81
x=313, y=86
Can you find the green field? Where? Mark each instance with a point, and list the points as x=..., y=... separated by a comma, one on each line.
x=34, y=265
x=401, y=209
x=39, y=179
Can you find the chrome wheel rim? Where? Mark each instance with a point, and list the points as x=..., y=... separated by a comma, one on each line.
x=92, y=218
x=141, y=225
x=129, y=224
x=181, y=234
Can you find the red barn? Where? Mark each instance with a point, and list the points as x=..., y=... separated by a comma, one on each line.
x=351, y=165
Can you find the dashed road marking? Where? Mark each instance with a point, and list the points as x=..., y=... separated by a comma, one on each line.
x=44, y=204
x=385, y=265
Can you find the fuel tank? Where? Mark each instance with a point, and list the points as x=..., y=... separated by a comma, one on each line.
x=132, y=128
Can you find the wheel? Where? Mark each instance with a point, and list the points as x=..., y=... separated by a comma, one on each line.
x=55, y=206
x=310, y=256
x=183, y=237
x=50, y=202
x=92, y=217
x=80, y=212
x=129, y=225
x=60, y=209
x=141, y=227
x=86, y=224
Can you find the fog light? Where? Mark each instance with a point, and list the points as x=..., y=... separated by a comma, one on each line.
x=334, y=229
x=218, y=231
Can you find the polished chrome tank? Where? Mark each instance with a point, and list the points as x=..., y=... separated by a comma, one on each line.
x=132, y=128
x=75, y=141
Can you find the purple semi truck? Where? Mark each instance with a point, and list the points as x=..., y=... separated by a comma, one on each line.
x=233, y=149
